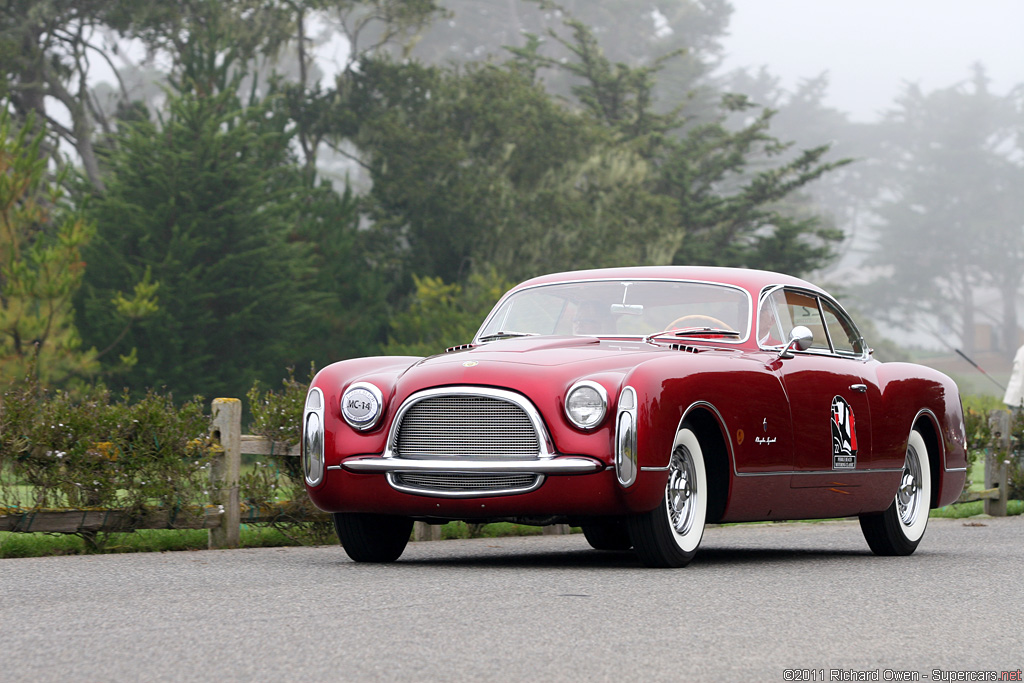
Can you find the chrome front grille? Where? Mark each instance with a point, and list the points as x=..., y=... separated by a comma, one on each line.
x=477, y=427
x=465, y=483
x=469, y=426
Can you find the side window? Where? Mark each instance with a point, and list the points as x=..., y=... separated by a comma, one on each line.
x=845, y=337
x=802, y=309
x=832, y=329
x=770, y=330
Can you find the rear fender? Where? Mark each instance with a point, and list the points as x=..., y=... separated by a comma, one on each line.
x=916, y=397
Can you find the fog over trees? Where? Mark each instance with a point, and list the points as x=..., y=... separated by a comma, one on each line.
x=263, y=184
x=932, y=220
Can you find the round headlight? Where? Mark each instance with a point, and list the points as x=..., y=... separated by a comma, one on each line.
x=585, y=404
x=362, y=405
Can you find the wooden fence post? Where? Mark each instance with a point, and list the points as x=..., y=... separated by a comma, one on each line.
x=421, y=531
x=995, y=463
x=224, y=471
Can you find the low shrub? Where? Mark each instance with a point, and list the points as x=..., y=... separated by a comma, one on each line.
x=59, y=450
x=982, y=440
x=89, y=449
x=277, y=415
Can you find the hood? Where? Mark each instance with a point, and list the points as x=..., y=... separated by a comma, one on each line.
x=542, y=351
x=527, y=364
x=530, y=365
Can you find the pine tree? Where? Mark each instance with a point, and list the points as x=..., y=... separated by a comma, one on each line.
x=208, y=205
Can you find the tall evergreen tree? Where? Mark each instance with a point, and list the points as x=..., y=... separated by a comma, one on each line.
x=207, y=204
x=951, y=211
x=480, y=167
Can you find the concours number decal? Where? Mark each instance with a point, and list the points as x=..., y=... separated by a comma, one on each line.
x=844, y=435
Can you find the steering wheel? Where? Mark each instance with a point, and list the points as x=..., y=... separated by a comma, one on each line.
x=714, y=322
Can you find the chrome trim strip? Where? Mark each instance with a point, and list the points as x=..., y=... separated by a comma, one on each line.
x=874, y=470
x=515, y=290
x=625, y=452
x=313, y=471
x=936, y=425
x=819, y=296
x=731, y=455
x=793, y=473
x=547, y=449
x=654, y=469
x=486, y=493
x=563, y=465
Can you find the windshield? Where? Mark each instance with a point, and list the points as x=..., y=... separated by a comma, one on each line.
x=612, y=308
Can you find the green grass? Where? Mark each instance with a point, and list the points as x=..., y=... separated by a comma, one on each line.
x=496, y=530
x=975, y=507
x=258, y=536
x=141, y=541
x=163, y=540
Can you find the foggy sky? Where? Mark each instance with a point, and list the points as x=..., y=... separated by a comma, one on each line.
x=870, y=48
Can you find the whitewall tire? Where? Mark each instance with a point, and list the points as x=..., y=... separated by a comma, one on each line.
x=899, y=529
x=668, y=535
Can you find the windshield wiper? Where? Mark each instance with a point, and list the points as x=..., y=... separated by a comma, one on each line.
x=505, y=335
x=700, y=331
x=695, y=332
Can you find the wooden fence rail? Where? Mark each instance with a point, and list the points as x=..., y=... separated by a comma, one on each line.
x=223, y=516
x=226, y=513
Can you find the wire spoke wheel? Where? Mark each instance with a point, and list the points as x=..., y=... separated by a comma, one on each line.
x=681, y=491
x=908, y=498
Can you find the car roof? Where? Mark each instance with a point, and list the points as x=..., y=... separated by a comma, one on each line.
x=754, y=281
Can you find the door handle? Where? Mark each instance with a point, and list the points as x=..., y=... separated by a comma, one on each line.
x=859, y=388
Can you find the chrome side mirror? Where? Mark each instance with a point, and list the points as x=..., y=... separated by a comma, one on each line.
x=800, y=338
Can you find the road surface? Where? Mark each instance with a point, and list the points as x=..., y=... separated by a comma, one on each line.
x=766, y=602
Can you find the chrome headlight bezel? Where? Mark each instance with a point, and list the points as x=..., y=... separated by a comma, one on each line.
x=362, y=405
x=313, y=437
x=586, y=404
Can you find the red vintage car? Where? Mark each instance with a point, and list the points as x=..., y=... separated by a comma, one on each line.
x=640, y=404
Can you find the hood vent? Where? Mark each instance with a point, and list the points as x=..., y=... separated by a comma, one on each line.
x=687, y=349
x=460, y=347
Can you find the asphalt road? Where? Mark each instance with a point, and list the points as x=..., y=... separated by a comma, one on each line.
x=759, y=600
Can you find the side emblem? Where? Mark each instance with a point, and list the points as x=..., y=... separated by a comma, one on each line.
x=844, y=435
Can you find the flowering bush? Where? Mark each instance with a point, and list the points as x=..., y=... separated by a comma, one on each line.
x=92, y=450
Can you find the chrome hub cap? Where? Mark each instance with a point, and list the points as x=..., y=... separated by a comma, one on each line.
x=908, y=498
x=681, y=490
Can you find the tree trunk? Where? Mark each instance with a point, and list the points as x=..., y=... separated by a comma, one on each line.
x=967, y=320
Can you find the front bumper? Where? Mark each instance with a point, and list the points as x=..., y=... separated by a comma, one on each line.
x=469, y=477
x=591, y=493
x=564, y=465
